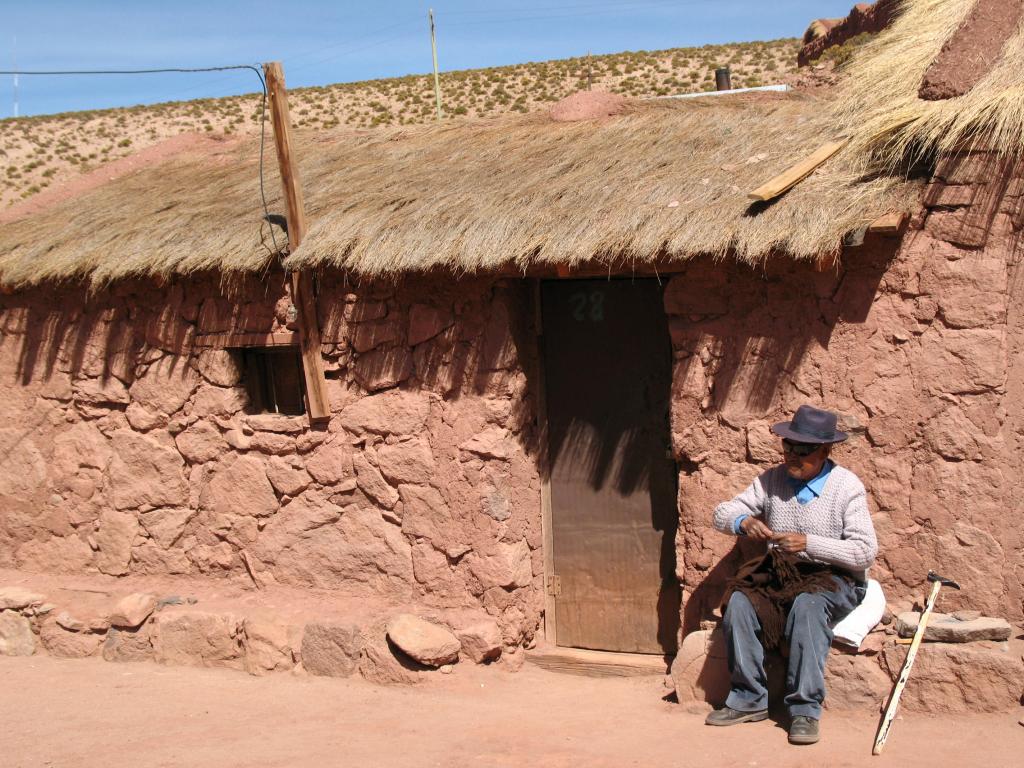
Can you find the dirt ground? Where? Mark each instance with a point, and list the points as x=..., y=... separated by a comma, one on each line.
x=90, y=713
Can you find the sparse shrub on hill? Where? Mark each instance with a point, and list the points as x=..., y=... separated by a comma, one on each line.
x=59, y=146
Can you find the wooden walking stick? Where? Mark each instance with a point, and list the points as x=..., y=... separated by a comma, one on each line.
x=890, y=713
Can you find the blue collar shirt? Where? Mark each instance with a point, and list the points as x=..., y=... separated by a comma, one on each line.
x=811, y=489
x=803, y=491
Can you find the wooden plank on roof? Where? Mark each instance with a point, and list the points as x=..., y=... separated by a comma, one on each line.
x=889, y=224
x=796, y=173
x=317, y=400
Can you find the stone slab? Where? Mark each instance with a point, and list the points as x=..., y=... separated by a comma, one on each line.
x=945, y=628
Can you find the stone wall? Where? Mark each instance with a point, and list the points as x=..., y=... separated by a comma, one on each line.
x=126, y=448
x=916, y=341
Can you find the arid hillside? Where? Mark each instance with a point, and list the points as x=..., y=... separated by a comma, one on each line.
x=38, y=152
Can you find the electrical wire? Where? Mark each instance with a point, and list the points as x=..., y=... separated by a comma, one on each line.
x=161, y=70
x=189, y=70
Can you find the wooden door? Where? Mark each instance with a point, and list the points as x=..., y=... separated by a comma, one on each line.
x=607, y=376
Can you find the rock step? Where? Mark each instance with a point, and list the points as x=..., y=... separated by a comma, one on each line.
x=963, y=628
x=140, y=627
x=947, y=677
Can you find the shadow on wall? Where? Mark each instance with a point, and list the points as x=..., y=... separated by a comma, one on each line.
x=739, y=333
x=740, y=336
x=100, y=343
x=101, y=334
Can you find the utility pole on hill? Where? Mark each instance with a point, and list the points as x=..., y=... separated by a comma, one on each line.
x=433, y=48
x=318, y=403
x=15, y=54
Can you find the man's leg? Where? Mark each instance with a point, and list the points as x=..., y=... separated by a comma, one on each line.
x=749, y=691
x=809, y=632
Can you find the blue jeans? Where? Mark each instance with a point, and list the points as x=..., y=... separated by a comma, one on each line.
x=809, y=633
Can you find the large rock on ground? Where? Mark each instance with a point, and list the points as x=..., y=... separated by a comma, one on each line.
x=64, y=644
x=269, y=646
x=129, y=644
x=84, y=619
x=423, y=641
x=948, y=629
x=17, y=598
x=957, y=677
x=382, y=662
x=331, y=649
x=480, y=641
x=700, y=670
x=16, y=638
x=197, y=639
x=132, y=610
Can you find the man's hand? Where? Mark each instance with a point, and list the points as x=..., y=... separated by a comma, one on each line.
x=755, y=529
x=791, y=543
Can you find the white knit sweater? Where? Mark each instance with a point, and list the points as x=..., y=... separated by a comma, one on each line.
x=837, y=523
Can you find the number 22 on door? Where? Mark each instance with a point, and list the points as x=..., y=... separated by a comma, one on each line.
x=587, y=305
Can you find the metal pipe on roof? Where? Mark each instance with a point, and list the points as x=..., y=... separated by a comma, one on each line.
x=783, y=88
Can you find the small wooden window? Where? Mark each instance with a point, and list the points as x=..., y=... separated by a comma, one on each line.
x=273, y=379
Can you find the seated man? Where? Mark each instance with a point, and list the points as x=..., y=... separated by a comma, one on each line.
x=815, y=512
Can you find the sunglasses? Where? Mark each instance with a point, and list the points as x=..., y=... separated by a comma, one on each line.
x=799, y=449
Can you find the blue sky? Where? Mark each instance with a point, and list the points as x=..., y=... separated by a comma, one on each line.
x=328, y=42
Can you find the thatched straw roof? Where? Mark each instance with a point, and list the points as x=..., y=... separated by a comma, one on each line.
x=664, y=180
x=881, y=107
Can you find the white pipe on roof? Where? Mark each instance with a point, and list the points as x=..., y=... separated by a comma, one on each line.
x=783, y=88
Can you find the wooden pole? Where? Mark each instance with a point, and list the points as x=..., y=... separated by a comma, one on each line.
x=590, y=74
x=894, y=702
x=437, y=78
x=318, y=404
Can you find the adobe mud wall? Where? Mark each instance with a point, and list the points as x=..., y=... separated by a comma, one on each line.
x=125, y=446
x=917, y=343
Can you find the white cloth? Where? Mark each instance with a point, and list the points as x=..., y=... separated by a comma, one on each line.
x=855, y=627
